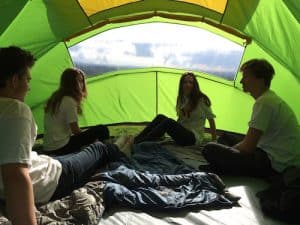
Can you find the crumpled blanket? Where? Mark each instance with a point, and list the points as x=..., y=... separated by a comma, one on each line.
x=83, y=207
x=134, y=189
x=153, y=158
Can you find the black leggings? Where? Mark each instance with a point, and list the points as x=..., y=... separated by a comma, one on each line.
x=99, y=132
x=224, y=159
x=161, y=125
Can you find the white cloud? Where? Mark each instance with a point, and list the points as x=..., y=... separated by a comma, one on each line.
x=169, y=44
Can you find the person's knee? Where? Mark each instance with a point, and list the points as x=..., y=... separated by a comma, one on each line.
x=170, y=123
x=161, y=117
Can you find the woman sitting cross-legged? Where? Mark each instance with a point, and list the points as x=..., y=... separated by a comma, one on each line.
x=193, y=108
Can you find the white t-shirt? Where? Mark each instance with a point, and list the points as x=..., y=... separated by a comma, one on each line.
x=57, y=127
x=281, y=137
x=17, y=136
x=196, y=121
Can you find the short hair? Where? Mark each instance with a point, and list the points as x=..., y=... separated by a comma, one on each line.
x=259, y=68
x=14, y=60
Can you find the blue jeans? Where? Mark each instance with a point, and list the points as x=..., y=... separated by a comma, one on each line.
x=99, y=132
x=78, y=167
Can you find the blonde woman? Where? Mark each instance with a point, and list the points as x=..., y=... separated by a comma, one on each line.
x=62, y=133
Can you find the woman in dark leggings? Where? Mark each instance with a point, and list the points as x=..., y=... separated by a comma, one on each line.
x=193, y=108
x=62, y=132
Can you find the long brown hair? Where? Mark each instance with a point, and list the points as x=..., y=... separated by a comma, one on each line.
x=194, y=97
x=69, y=86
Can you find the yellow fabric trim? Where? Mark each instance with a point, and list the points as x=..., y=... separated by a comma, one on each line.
x=216, y=5
x=91, y=7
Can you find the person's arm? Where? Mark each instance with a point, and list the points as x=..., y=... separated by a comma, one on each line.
x=75, y=128
x=249, y=143
x=213, y=131
x=19, y=194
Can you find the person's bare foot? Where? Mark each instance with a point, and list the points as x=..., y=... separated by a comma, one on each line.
x=121, y=141
x=126, y=149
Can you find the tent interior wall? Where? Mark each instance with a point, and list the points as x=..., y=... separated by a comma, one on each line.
x=45, y=27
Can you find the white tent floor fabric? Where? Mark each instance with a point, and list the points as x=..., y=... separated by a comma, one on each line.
x=249, y=212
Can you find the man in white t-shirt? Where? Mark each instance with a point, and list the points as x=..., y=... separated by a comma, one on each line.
x=25, y=177
x=272, y=142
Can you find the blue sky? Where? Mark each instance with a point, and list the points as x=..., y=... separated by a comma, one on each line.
x=160, y=44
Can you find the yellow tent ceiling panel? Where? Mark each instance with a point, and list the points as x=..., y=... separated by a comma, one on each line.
x=216, y=5
x=91, y=7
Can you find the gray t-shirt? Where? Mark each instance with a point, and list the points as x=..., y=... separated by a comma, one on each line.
x=281, y=131
x=17, y=136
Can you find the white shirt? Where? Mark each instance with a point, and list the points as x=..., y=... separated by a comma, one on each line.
x=281, y=131
x=57, y=127
x=17, y=136
x=196, y=121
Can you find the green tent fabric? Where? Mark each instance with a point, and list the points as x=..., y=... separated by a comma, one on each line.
x=47, y=28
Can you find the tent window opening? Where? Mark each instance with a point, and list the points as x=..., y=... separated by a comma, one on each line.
x=158, y=45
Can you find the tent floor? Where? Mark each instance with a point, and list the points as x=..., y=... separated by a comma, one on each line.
x=248, y=213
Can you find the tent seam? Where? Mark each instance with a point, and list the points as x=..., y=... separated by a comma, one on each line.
x=221, y=21
x=88, y=18
x=13, y=19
